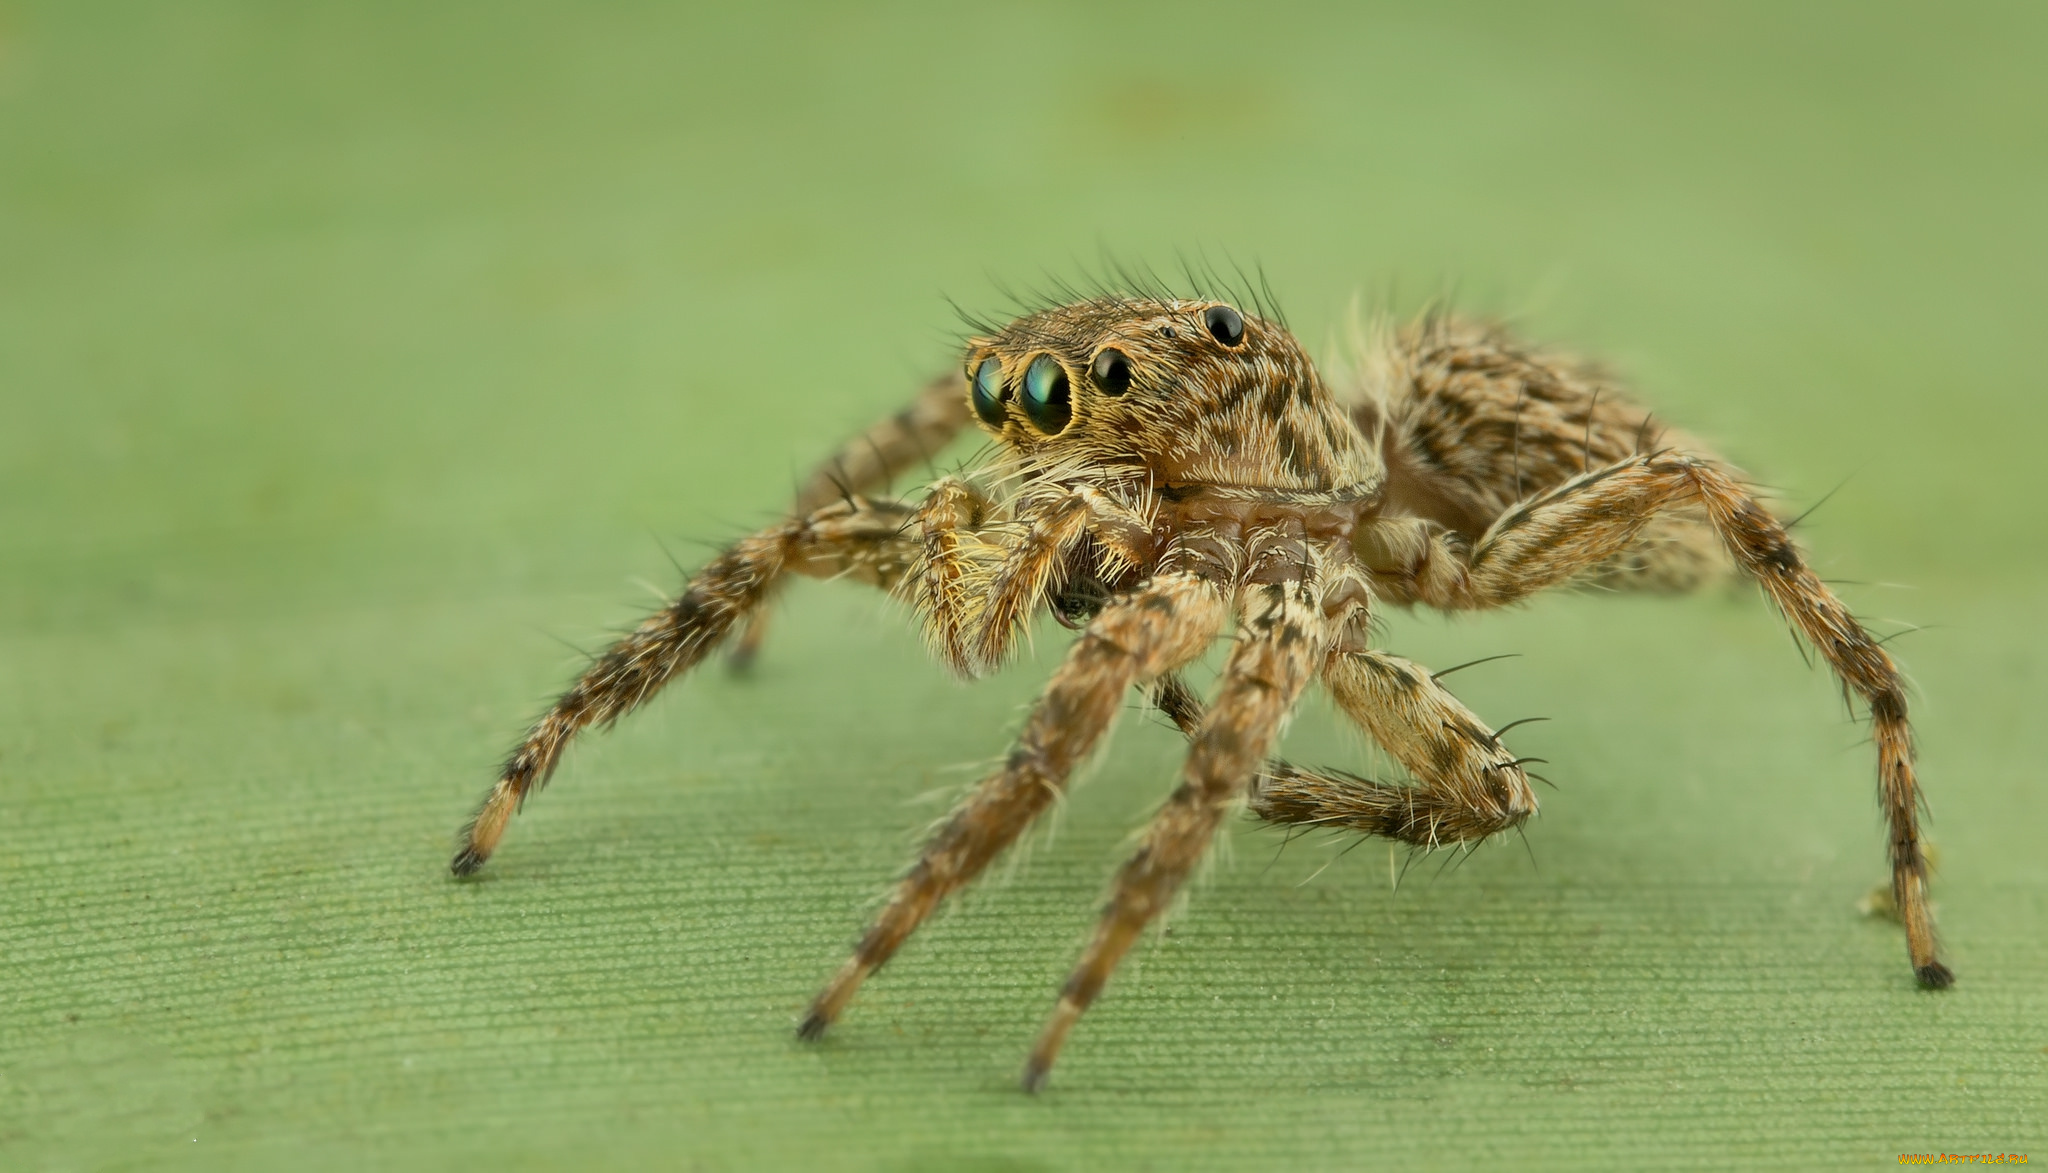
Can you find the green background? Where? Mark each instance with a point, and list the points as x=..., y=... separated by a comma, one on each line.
x=354, y=358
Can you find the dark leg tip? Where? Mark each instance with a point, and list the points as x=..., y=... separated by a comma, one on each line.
x=1934, y=976
x=740, y=660
x=812, y=1028
x=1036, y=1072
x=466, y=862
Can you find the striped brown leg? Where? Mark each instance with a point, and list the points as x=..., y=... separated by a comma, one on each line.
x=954, y=568
x=1589, y=518
x=855, y=538
x=1470, y=786
x=1181, y=705
x=1163, y=626
x=867, y=464
x=870, y=461
x=1052, y=528
x=1280, y=644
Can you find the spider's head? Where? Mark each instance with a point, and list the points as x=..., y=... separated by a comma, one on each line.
x=1177, y=392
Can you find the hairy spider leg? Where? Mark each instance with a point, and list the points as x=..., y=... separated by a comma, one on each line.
x=1471, y=786
x=1171, y=695
x=855, y=538
x=1551, y=537
x=1054, y=527
x=1161, y=627
x=867, y=464
x=1281, y=638
x=948, y=593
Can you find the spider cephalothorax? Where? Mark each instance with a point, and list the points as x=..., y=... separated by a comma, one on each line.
x=1167, y=469
x=1178, y=392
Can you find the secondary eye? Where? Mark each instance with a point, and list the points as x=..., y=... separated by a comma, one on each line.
x=1046, y=394
x=1112, y=372
x=1226, y=325
x=987, y=392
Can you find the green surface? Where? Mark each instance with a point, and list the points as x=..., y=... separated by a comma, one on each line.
x=350, y=358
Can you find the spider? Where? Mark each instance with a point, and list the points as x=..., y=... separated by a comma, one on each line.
x=1166, y=469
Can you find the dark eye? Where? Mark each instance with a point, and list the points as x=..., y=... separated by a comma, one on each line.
x=987, y=392
x=1112, y=372
x=1226, y=325
x=1046, y=394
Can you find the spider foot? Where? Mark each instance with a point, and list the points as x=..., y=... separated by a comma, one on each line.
x=812, y=1028
x=1036, y=1072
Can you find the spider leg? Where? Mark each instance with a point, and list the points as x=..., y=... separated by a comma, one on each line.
x=867, y=464
x=1053, y=527
x=855, y=538
x=1171, y=695
x=955, y=561
x=1588, y=518
x=1280, y=642
x=912, y=436
x=1471, y=786
x=1161, y=627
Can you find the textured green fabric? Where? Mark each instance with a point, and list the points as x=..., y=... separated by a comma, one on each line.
x=353, y=356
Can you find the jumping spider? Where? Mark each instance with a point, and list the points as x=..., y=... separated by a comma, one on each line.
x=1164, y=467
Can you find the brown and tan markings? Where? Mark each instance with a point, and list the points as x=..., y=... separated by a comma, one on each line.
x=1170, y=470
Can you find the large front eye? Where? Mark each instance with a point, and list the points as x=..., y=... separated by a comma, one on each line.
x=1112, y=372
x=1226, y=325
x=1046, y=394
x=987, y=392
